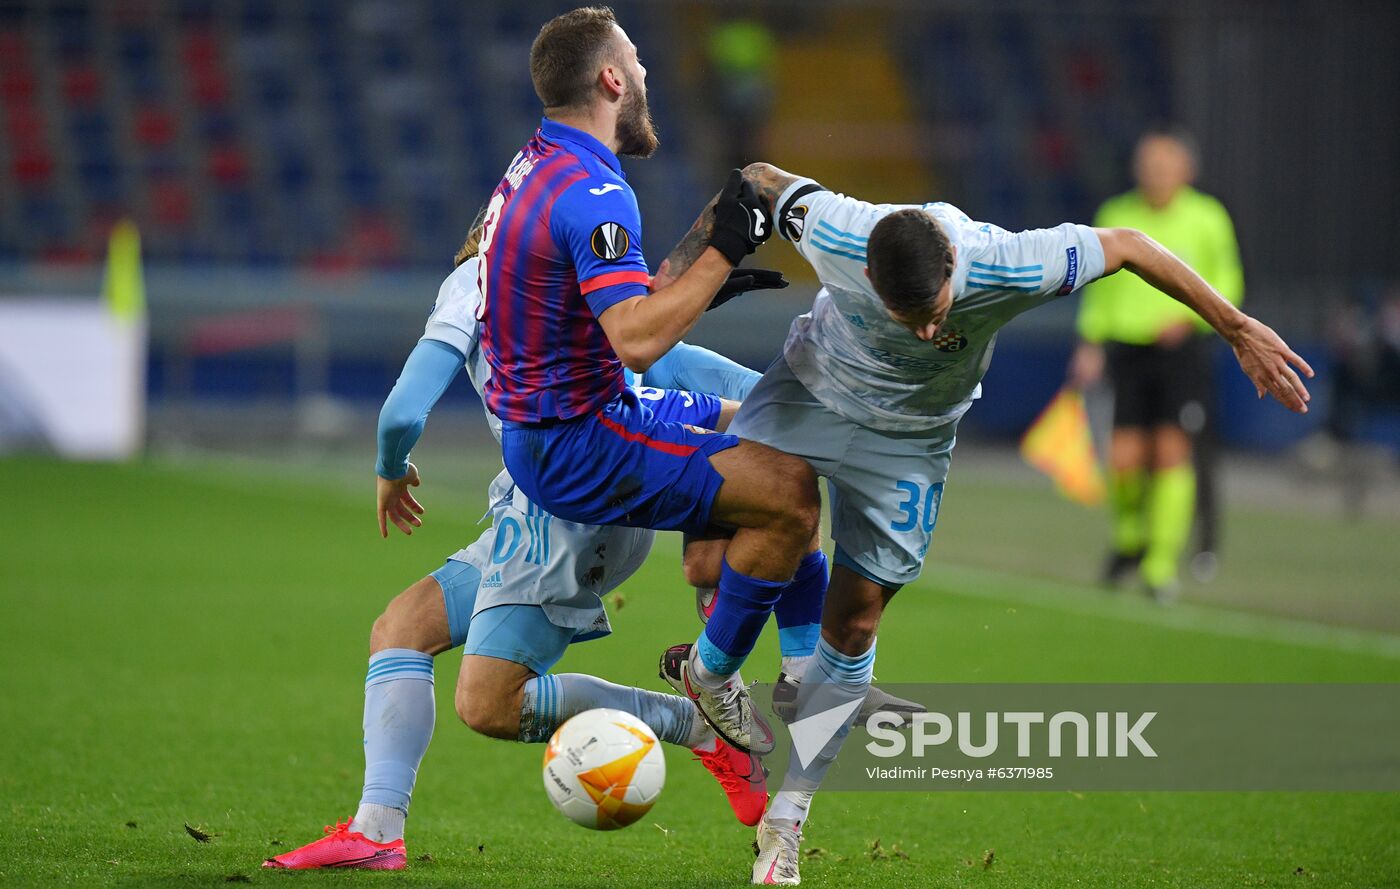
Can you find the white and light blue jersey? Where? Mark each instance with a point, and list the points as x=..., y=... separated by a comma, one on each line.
x=453, y=321
x=865, y=366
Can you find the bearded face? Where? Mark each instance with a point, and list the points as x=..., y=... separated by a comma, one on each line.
x=636, y=132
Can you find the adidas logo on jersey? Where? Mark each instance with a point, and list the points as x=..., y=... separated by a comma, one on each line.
x=493, y=582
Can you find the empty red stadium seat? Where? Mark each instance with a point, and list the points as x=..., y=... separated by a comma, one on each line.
x=82, y=84
x=67, y=254
x=33, y=167
x=17, y=85
x=200, y=51
x=1086, y=72
x=227, y=165
x=24, y=126
x=1052, y=147
x=154, y=127
x=171, y=204
x=210, y=88
x=374, y=240
x=13, y=51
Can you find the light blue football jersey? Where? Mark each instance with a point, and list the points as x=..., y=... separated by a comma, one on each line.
x=864, y=365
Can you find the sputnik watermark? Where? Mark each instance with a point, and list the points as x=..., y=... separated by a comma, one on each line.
x=1199, y=736
x=936, y=774
x=1112, y=735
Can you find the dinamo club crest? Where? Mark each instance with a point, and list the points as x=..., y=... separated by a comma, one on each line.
x=949, y=339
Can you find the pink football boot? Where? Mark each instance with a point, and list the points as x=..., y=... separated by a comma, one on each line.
x=342, y=848
x=741, y=776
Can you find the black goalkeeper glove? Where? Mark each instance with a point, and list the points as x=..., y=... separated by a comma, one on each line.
x=742, y=222
x=744, y=280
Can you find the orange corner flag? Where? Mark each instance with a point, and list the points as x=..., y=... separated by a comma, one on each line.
x=1060, y=445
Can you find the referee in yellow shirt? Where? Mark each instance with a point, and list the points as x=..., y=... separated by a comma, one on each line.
x=1157, y=363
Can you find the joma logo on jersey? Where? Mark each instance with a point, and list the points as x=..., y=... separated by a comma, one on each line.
x=794, y=222
x=610, y=241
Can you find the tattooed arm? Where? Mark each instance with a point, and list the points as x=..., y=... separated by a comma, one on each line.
x=769, y=181
x=642, y=329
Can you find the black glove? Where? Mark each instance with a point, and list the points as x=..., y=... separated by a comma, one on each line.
x=744, y=280
x=742, y=222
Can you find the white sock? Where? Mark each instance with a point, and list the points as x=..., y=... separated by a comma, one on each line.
x=382, y=824
x=790, y=805
x=794, y=665
x=705, y=676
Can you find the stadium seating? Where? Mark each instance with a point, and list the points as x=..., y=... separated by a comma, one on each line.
x=317, y=133
x=1061, y=141
x=340, y=135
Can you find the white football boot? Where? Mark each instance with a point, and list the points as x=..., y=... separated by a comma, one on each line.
x=777, y=847
x=730, y=710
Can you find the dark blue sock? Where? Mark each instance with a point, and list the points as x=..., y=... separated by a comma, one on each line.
x=799, y=609
x=742, y=606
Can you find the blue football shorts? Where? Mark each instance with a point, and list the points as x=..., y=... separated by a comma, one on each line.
x=642, y=461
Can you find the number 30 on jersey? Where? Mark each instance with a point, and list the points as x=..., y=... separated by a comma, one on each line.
x=919, y=507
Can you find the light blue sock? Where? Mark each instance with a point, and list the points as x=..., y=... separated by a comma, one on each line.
x=399, y=714
x=799, y=609
x=832, y=680
x=550, y=700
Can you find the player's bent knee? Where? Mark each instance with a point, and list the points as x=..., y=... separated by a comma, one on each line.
x=701, y=573
x=701, y=562
x=395, y=629
x=487, y=715
x=810, y=516
x=416, y=618
x=802, y=514
x=794, y=493
x=489, y=692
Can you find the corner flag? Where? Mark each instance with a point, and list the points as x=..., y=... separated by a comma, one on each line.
x=1060, y=445
x=123, y=286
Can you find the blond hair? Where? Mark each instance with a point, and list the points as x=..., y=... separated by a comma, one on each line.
x=472, y=245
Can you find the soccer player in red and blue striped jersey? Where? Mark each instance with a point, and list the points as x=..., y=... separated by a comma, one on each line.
x=562, y=224
x=568, y=303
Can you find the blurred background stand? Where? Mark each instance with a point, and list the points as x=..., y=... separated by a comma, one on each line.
x=302, y=173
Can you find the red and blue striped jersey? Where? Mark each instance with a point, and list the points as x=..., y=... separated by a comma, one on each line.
x=561, y=244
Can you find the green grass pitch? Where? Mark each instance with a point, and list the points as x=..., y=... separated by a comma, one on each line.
x=186, y=644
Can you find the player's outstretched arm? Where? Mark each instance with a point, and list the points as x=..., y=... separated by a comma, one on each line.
x=768, y=183
x=1263, y=355
x=644, y=328
x=697, y=369
x=430, y=369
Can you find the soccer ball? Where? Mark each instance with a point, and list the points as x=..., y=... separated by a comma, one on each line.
x=604, y=769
